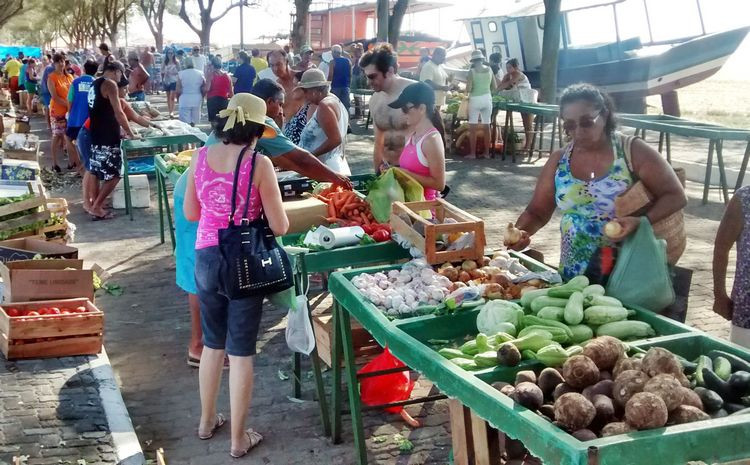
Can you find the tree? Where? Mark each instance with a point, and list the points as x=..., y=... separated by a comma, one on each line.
x=109, y=15
x=153, y=11
x=298, y=37
x=9, y=9
x=395, y=20
x=550, y=50
x=207, y=21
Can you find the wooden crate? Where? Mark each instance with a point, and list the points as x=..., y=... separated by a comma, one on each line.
x=408, y=223
x=36, y=212
x=363, y=342
x=57, y=207
x=51, y=335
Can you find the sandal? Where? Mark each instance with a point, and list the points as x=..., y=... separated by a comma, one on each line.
x=106, y=216
x=220, y=420
x=255, y=439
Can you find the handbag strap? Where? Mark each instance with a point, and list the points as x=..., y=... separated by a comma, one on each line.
x=236, y=183
x=627, y=141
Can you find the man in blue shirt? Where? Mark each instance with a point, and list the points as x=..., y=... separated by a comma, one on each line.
x=78, y=112
x=340, y=75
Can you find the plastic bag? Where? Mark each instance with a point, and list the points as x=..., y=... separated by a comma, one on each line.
x=299, y=331
x=384, y=389
x=413, y=190
x=384, y=191
x=641, y=276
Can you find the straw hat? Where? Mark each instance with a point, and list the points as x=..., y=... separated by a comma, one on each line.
x=476, y=55
x=312, y=78
x=246, y=107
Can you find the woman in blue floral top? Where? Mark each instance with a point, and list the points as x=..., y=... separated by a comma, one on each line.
x=584, y=178
x=734, y=228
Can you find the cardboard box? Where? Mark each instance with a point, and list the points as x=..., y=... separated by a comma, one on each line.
x=305, y=213
x=27, y=247
x=28, y=280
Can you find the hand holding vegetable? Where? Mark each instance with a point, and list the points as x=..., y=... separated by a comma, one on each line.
x=620, y=228
x=523, y=242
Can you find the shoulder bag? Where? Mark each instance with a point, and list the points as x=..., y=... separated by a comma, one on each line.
x=253, y=262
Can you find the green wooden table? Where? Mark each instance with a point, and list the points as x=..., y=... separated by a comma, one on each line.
x=163, y=174
x=723, y=439
x=136, y=148
x=542, y=111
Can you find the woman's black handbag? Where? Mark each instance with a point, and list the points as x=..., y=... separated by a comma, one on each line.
x=253, y=262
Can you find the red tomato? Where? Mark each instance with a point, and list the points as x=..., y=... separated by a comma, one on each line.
x=53, y=311
x=80, y=309
x=13, y=312
x=381, y=235
x=65, y=311
x=43, y=310
x=32, y=313
x=368, y=229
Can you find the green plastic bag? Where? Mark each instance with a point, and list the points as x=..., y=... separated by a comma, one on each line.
x=384, y=191
x=641, y=275
x=413, y=190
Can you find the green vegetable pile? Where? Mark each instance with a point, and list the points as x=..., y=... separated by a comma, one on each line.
x=722, y=381
x=549, y=325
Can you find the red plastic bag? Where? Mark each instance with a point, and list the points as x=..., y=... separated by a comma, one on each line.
x=384, y=389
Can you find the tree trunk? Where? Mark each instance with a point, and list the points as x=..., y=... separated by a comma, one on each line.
x=550, y=51
x=298, y=37
x=383, y=8
x=395, y=21
x=113, y=36
x=159, y=41
x=205, y=36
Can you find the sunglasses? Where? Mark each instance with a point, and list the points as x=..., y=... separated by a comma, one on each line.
x=585, y=122
x=407, y=108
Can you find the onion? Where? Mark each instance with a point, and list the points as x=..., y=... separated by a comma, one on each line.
x=612, y=229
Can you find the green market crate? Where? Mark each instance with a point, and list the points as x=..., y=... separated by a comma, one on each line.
x=298, y=186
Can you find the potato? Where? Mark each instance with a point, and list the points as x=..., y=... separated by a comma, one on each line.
x=574, y=412
x=603, y=387
x=525, y=376
x=584, y=435
x=548, y=380
x=666, y=387
x=529, y=395
x=605, y=409
x=658, y=360
x=615, y=428
x=464, y=277
x=560, y=389
x=690, y=397
x=624, y=364
x=580, y=371
x=604, y=351
x=629, y=382
x=687, y=414
x=646, y=410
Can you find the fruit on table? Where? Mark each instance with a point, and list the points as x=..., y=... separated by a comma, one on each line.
x=44, y=311
x=580, y=371
x=646, y=410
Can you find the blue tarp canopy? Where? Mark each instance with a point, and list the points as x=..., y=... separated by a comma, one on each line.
x=13, y=50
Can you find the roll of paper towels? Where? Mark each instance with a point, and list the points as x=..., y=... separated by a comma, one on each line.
x=339, y=237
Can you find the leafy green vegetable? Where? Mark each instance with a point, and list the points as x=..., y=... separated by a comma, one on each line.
x=404, y=445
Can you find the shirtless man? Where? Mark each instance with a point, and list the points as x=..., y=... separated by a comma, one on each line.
x=280, y=72
x=380, y=67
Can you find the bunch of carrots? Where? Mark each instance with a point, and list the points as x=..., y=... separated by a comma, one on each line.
x=345, y=207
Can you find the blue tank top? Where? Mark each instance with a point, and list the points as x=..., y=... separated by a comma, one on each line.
x=79, y=110
x=342, y=72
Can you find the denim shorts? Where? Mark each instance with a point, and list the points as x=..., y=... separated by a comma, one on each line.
x=83, y=141
x=228, y=324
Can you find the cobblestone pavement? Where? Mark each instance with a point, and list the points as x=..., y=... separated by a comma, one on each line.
x=147, y=330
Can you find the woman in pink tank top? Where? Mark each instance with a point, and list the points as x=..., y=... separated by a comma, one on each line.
x=230, y=325
x=423, y=156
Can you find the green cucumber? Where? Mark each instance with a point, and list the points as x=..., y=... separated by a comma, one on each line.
x=558, y=334
x=702, y=362
x=599, y=314
x=551, y=313
x=528, y=354
x=545, y=301
x=486, y=359
x=602, y=300
x=581, y=333
x=464, y=363
x=722, y=368
x=528, y=296
x=470, y=348
x=626, y=330
x=737, y=363
x=453, y=353
x=593, y=289
x=560, y=292
x=531, y=320
x=573, y=313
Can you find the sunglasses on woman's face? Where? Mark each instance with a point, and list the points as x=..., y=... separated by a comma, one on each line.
x=407, y=108
x=585, y=122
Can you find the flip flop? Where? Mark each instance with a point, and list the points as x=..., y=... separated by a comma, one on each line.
x=106, y=216
x=220, y=420
x=255, y=439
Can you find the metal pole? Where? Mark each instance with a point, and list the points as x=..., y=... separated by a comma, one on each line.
x=648, y=21
x=242, y=27
x=700, y=16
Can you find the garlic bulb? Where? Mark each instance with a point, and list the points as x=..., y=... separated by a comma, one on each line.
x=512, y=235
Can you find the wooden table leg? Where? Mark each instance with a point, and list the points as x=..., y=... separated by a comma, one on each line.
x=669, y=149
x=353, y=384
x=159, y=199
x=709, y=163
x=661, y=141
x=722, y=172
x=743, y=167
x=461, y=433
x=335, y=375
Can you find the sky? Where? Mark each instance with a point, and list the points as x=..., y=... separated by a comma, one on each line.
x=588, y=26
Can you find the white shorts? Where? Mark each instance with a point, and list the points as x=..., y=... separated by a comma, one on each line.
x=190, y=114
x=480, y=105
x=740, y=336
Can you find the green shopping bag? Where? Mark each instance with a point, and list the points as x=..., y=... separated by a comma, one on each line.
x=383, y=192
x=641, y=275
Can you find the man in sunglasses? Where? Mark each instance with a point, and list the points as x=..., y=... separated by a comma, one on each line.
x=380, y=66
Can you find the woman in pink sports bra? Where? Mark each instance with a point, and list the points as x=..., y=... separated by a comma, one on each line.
x=423, y=156
x=230, y=325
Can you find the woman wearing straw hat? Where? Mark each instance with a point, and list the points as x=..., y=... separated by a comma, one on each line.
x=325, y=133
x=230, y=325
x=479, y=85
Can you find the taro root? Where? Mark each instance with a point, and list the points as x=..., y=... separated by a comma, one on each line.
x=525, y=376
x=499, y=385
x=509, y=355
x=574, y=412
x=686, y=414
x=658, y=360
x=666, y=387
x=508, y=390
x=605, y=409
x=629, y=382
x=603, y=387
x=529, y=395
x=617, y=427
x=604, y=351
x=624, y=364
x=690, y=397
x=605, y=375
x=584, y=435
x=646, y=410
x=560, y=389
x=580, y=371
x=547, y=411
x=548, y=380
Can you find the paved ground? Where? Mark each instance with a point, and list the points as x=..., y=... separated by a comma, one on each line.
x=147, y=330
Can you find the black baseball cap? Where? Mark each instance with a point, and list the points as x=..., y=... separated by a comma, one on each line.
x=123, y=82
x=415, y=94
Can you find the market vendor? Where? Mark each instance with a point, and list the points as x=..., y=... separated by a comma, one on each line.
x=583, y=179
x=423, y=156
